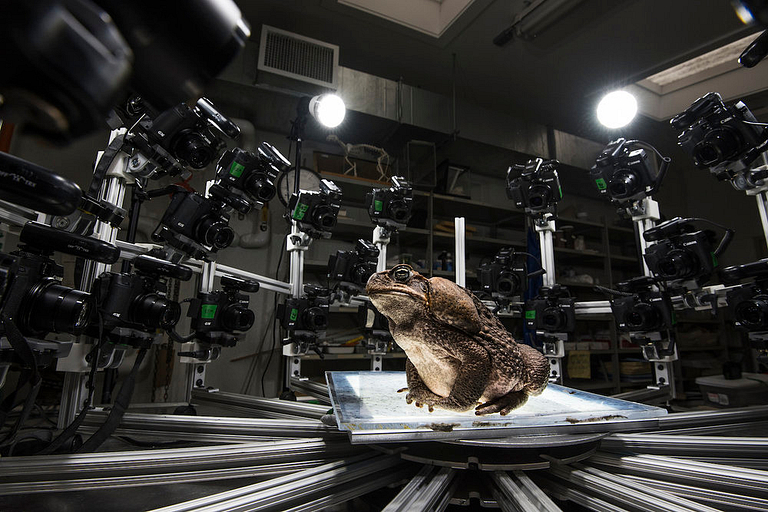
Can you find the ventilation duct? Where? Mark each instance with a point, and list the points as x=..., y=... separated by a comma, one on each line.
x=298, y=57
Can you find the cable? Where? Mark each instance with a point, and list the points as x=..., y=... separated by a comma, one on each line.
x=274, y=322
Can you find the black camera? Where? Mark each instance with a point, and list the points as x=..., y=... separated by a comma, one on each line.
x=748, y=303
x=134, y=303
x=726, y=139
x=391, y=207
x=219, y=317
x=625, y=172
x=551, y=311
x=190, y=134
x=316, y=211
x=195, y=225
x=683, y=255
x=535, y=186
x=31, y=293
x=506, y=276
x=252, y=174
x=354, y=267
x=308, y=315
x=641, y=309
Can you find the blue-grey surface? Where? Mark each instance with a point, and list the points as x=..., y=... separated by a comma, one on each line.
x=369, y=401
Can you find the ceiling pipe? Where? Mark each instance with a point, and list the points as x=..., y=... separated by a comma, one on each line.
x=535, y=19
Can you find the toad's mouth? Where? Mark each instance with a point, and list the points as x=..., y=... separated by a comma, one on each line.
x=374, y=293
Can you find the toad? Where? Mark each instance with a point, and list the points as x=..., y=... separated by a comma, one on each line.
x=459, y=355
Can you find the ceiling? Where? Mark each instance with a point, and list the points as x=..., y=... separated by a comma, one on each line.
x=555, y=79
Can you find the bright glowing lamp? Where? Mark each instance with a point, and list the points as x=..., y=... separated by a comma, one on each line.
x=616, y=109
x=328, y=109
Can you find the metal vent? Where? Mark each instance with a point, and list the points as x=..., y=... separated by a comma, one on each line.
x=288, y=54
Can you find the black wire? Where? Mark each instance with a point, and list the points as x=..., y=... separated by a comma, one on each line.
x=274, y=321
x=754, y=124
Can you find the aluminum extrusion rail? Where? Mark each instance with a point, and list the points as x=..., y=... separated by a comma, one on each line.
x=284, y=408
x=687, y=445
x=319, y=391
x=279, y=492
x=221, y=425
x=177, y=459
x=520, y=489
x=173, y=476
x=703, y=418
x=624, y=491
x=752, y=482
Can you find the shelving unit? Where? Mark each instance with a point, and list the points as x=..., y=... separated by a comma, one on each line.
x=609, y=256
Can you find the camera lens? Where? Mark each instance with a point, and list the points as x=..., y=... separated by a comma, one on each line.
x=52, y=307
x=678, y=264
x=194, y=149
x=539, y=196
x=399, y=211
x=508, y=283
x=315, y=319
x=215, y=232
x=324, y=217
x=642, y=317
x=237, y=317
x=623, y=184
x=260, y=188
x=154, y=311
x=752, y=314
x=718, y=146
x=553, y=319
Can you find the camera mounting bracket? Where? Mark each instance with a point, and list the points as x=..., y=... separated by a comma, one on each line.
x=381, y=239
x=553, y=346
x=545, y=226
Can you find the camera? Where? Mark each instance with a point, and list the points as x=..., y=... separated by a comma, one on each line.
x=506, y=276
x=626, y=174
x=535, y=186
x=134, y=303
x=218, y=317
x=353, y=268
x=726, y=139
x=316, y=211
x=391, y=207
x=194, y=225
x=306, y=316
x=642, y=309
x=551, y=311
x=31, y=293
x=748, y=303
x=188, y=133
x=683, y=255
x=253, y=174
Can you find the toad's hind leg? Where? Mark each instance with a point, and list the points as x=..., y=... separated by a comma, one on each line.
x=503, y=404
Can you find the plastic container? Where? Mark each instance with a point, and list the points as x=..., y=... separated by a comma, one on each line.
x=750, y=389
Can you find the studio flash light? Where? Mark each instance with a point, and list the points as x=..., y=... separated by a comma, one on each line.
x=617, y=109
x=328, y=109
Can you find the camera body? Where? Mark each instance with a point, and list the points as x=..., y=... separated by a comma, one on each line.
x=506, y=276
x=137, y=301
x=34, y=298
x=644, y=310
x=191, y=134
x=219, y=317
x=354, y=267
x=316, y=211
x=535, y=186
x=551, y=311
x=195, y=225
x=682, y=255
x=251, y=174
x=720, y=138
x=624, y=174
x=748, y=302
x=391, y=207
x=307, y=315
x=31, y=293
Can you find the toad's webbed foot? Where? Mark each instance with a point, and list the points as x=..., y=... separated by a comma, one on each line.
x=422, y=396
x=503, y=404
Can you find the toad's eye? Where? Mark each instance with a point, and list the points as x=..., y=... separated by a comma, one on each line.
x=401, y=275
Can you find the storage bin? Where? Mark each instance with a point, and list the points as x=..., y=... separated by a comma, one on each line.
x=751, y=389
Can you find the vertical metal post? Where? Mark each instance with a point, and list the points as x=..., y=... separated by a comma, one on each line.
x=297, y=261
x=545, y=229
x=460, y=256
x=381, y=240
x=762, y=207
x=112, y=190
